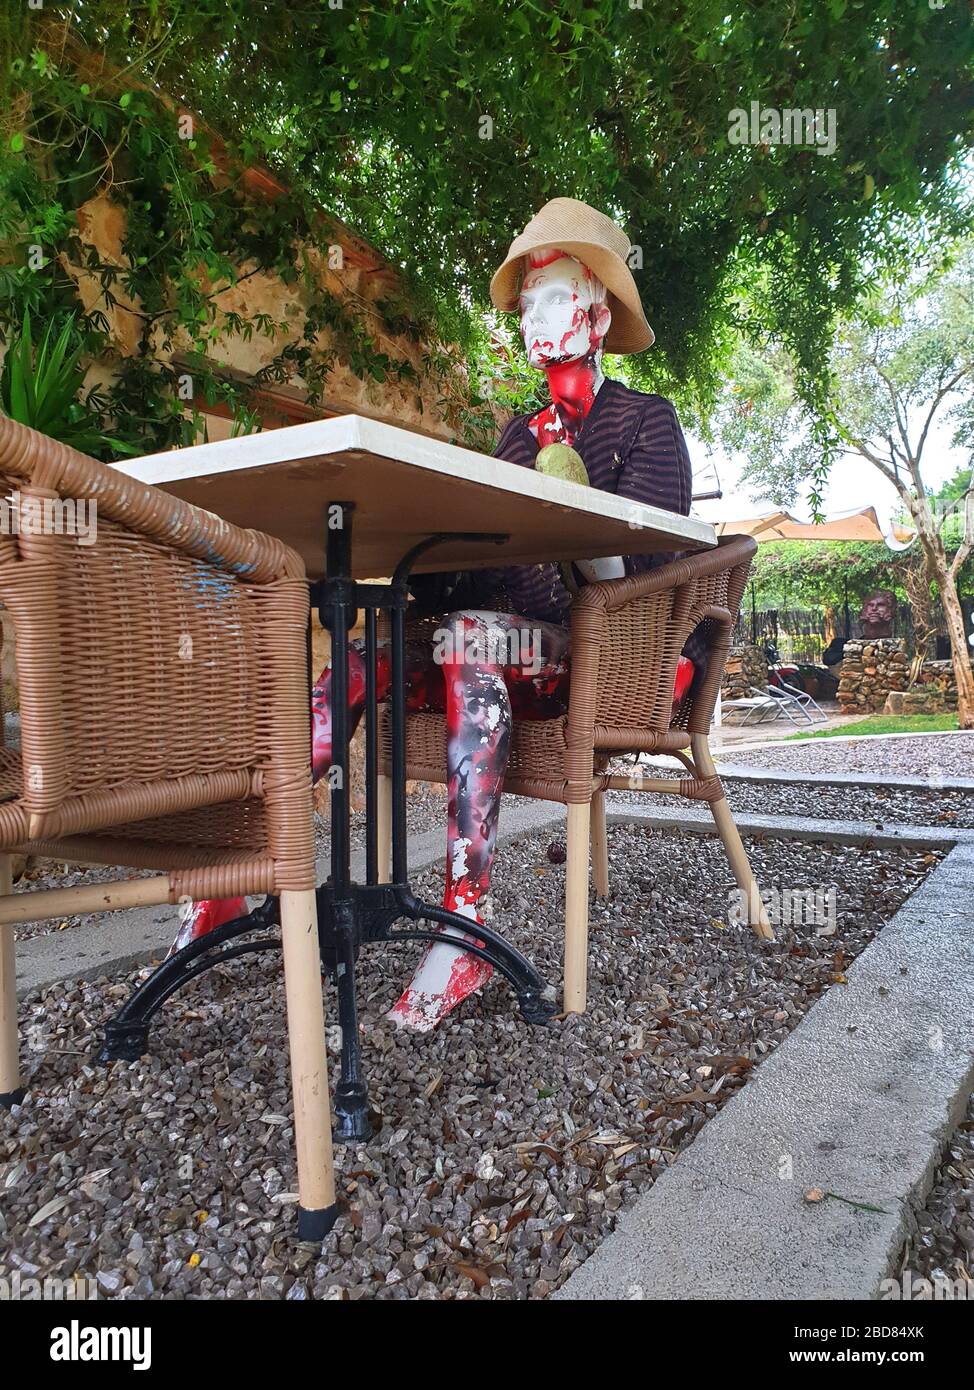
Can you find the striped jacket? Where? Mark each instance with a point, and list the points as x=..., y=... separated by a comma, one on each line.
x=632, y=445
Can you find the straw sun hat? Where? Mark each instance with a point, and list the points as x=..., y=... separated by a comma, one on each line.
x=594, y=239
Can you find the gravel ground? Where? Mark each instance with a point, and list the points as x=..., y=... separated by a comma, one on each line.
x=878, y=807
x=425, y=809
x=505, y=1152
x=943, y=1246
x=945, y=755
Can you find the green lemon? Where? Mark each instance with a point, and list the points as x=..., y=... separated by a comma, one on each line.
x=559, y=461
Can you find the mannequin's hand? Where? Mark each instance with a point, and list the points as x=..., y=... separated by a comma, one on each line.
x=608, y=567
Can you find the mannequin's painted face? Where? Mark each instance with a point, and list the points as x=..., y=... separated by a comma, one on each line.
x=564, y=316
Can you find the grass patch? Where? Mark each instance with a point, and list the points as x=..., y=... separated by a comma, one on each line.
x=887, y=724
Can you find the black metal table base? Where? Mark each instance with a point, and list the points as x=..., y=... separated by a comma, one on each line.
x=370, y=916
x=127, y=1034
x=377, y=908
x=350, y=914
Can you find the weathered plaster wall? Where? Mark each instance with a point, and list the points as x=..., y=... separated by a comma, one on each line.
x=362, y=281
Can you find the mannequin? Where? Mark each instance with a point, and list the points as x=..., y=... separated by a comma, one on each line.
x=482, y=681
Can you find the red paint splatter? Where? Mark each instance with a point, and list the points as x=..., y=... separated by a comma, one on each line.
x=572, y=386
x=537, y=260
x=684, y=678
x=203, y=917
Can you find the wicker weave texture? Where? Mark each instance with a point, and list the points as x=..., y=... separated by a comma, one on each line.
x=163, y=682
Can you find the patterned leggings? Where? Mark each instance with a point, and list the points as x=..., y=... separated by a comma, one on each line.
x=481, y=669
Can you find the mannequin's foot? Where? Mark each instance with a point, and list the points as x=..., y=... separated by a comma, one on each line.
x=441, y=981
x=203, y=916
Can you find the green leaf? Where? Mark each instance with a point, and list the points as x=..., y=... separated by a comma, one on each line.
x=15, y=394
x=17, y=141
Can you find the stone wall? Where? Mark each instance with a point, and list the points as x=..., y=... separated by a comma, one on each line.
x=935, y=692
x=869, y=671
x=875, y=675
x=746, y=667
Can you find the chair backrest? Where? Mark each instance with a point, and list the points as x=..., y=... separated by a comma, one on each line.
x=627, y=637
x=144, y=640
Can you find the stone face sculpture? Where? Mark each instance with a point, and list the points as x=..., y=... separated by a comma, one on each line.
x=878, y=611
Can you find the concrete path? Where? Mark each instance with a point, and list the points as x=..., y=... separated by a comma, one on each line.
x=733, y=734
x=858, y=1102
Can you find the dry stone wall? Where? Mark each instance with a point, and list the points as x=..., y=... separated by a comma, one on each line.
x=935, y=692
x=747, y=666
x=875, y=677
x=870, y=670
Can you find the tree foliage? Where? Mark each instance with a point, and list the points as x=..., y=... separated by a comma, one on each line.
x=904, y=361
x=435, y=128
x=796, y=573
x=193, y=227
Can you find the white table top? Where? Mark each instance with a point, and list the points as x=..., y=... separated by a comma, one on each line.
x=406, y=486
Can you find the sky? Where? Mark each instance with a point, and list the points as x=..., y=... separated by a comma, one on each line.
x=853, y=485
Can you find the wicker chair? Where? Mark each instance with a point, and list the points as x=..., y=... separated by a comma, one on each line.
x=163, y=681
x=626, y=639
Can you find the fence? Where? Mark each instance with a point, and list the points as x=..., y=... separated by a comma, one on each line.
x=800, y=634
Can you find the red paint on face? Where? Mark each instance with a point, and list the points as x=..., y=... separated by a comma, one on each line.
x=573, y=379
x=579, y=316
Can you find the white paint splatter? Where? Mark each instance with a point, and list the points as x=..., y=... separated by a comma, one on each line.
x=459, y=867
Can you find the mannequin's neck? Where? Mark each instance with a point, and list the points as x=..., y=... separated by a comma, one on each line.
x=573, y=387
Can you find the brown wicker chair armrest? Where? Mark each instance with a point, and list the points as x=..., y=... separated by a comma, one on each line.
x=46, y=465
